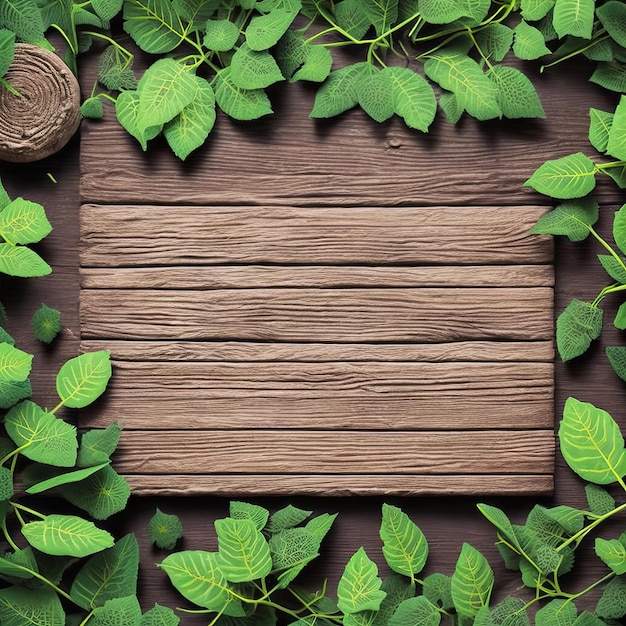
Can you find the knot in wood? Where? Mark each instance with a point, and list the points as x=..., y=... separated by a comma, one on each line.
x=43, y=117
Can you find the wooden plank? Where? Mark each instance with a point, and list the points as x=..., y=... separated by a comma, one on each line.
x=327, y=315
x=291, y=159
x=128, y=350
x=229, y=485
x=391, y=396
x=345, y=452
x=256, y=276
x=155, y=235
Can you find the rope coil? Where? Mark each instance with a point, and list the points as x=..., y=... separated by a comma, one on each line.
x=43, y=117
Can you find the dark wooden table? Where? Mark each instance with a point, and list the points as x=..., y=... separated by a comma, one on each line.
x=481, y=164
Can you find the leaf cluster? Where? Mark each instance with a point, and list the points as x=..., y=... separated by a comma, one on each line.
x=573, y=178
x=413, y=56
x=251, y=578
x=59, y=568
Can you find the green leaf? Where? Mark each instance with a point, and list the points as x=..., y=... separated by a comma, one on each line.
x=287, y=517
x=576, y=327
x=359, y=588
x=238, y=103
x=612, y=553
x=534, y=10
x=66, y=535
x=339, y=92
x=556, y=613
x=198, y=577
x=612, y=602
x=15, y=364
x=499, y=519
x=414, y=99
x=153, y=25
x=572, y=176
x=599, y=127
x=616, y=145
x=450, y=106
x=5, y=200
x=463, y=76
x=43, y=437
x=252, y=69
x=164, y=529
x=472, y=582
x=591, y=443
x=437, y=588
x=350, y=17
x=23, y=18
x=115, y=70
x=46, y=323
x=418, y=611
x=611, y=76
x=244, y=554
x=127, y=111
x=124, y=611
x=30, y=607
x=92, y=108
x=112, y=573
x=517, y=96
x=617, y=358
x=375, y=95
x=6, y=484
x=574, y=17
x=529, y=43
x=600, y=501
x=299, y=60
x=404, y=545
x=7, y=51
x=244, y=510
x=13, y=392
x=220, y=35
x=21, y=261
x=572, y=219
x=165, y=89
x=620, y=317
x=291, y=550
x=619, y=228
x=97, y=446
x=102, y=494
x=190, y=128
x=612, y=16
x=63, y=479
x=382, y=14
x=160, y=616
x=495, y=41
x=107, y=9
x=443, y=11
x=23, y=222
x=264, y=31
x=84, y=378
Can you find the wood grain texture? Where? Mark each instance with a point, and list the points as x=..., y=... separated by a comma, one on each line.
x=342, y=315
x=291, y=159
x=128, y=350
x=257, y=276
x=351, y=452
x=122, y=236
x=324, y=396
x=343, y=486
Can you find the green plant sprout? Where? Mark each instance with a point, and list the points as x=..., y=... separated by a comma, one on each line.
x=415, y=56
x=251, y=578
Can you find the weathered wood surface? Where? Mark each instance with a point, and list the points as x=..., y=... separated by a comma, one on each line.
x=324, y=350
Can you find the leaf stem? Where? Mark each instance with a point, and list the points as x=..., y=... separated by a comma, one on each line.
x=581, y=534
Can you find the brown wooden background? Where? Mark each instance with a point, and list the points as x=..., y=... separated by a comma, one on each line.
x=472, y=165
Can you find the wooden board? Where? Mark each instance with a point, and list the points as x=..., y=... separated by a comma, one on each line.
x=323, y=350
